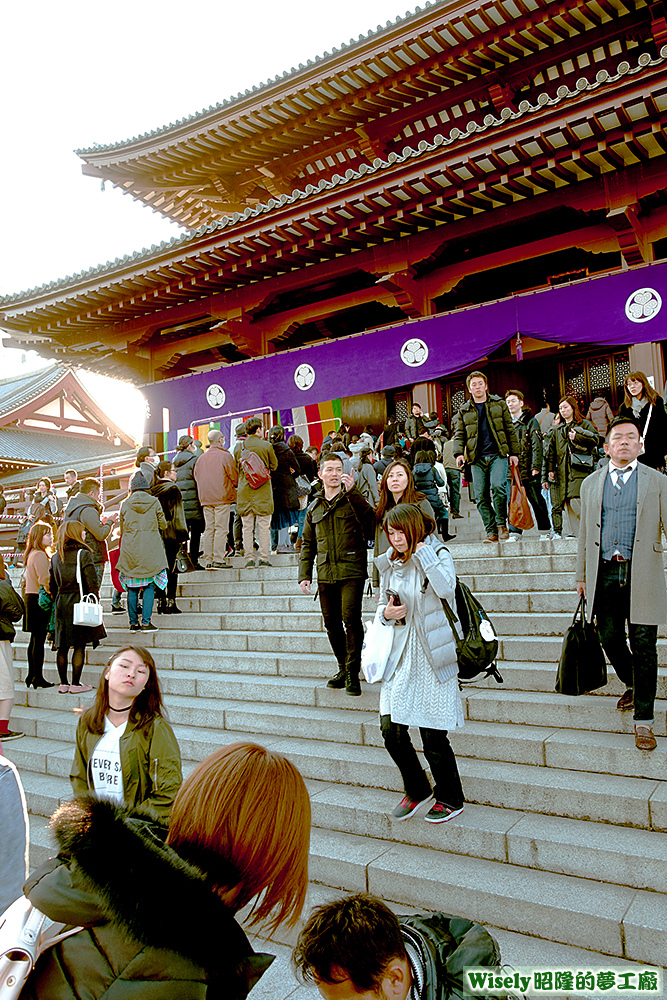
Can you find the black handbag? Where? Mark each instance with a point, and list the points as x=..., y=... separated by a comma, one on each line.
x=582, y=665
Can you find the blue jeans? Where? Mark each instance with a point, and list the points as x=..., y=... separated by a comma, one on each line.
x=489, y=480
x=636, y=666
x=147, y=605
x=454, y=483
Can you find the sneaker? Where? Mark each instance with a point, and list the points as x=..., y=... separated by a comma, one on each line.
x=135, y=628
x=441, y=813
x=513, y=537
x=264, y=562
x=219, y=565
x=408, y=807
x=250, y=564
x=503, y=534
x=240, y=553
x=117, y=609
x=491, y=538
x=555, y=537
x=10, y=735
x=149, y=628
x=626, y=701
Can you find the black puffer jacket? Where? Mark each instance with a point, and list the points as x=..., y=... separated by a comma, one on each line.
x=445, y=946
x=184, y=463
x=466, y=433
x=336, y=533
x=530, y=444
x=152, y=925
x=285, y=496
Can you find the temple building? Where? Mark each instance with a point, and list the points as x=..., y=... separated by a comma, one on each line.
x=478, y=184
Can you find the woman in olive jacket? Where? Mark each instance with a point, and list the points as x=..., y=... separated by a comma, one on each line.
x=570, y=454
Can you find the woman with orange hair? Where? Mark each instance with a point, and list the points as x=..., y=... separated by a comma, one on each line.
x=159, y=918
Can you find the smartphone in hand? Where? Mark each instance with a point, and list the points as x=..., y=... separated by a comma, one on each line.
x=395, y=599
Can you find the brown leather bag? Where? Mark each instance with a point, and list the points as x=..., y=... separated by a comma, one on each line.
x=520, y=514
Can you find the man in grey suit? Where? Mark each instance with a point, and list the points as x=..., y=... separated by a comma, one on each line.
x=619, y=566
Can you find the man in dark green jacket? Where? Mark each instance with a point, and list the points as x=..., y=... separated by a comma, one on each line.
x=356, y=946
x=338, y=524
x=486, y=438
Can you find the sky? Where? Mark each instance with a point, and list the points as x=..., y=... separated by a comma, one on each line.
x=74, y=73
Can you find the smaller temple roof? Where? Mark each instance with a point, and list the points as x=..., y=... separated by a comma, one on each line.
x=39, y=448
x=16, y=391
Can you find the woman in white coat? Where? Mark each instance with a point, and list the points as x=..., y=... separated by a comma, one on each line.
x=420, y=684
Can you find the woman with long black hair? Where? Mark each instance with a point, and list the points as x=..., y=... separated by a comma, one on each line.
x=643, y=405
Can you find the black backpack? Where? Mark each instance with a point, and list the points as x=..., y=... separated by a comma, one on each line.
x=477, y=650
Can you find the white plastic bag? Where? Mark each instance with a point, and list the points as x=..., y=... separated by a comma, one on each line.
x=376, y=649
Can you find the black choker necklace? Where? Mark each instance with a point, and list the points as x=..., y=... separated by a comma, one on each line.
x=112, y=709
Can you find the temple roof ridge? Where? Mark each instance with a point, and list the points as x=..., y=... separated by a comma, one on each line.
x=279, y=78
x=563, y=94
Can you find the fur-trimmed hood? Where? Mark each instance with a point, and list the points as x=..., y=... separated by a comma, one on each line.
x=151, y=894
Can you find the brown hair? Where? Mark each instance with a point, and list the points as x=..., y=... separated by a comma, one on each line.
x=243, y=817
x=473, y=375
x=295, y=443
x=89, y=486
x=145, y=707
x=514, y=392
x=647, y=392
x=413, y=522
x=69, y=531
x=410, y=494
x=577, y=415
x=36, y=538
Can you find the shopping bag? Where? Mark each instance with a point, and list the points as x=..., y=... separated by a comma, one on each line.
x=376, y=649
x=582, y=666
x=520, y=515
x=88, y=611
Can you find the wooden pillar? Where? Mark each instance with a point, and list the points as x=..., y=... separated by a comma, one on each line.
x=648, y=358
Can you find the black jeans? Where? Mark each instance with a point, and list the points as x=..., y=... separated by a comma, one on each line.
x=196, y=529
x=39, y=620
x=440, y=757
x=341, y=609
x=533, y=488
x=637, y=666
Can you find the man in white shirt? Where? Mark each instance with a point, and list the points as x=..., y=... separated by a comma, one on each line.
x=620, y=568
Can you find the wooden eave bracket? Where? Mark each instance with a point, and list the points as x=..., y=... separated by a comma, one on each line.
x=659, y=23
x=410, y=295
x=635, y=245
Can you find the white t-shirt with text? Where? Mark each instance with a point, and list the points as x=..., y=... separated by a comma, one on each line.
x=105, y=766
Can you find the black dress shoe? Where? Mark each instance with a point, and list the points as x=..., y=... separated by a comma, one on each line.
x=42, y=683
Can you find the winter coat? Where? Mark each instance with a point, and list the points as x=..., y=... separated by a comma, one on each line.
x=433, y=630
x=427, y=480
x=249, y=501
x=153, y=927
x=381, y=542
x=648, y=599
x=465, y=435
x=530, y=444
x=600, y=415
x=44, y=508
x=64, y=588
x=448, y=457
x=413, y=427
x=169, y=495
x=421, y=444
x=184, y=463
x=557, y=458
x=141, y=525
x=86, y=511
x=285, y=496
x=216, y=476
x=390, y=433
x=336, y=534
x=445, y=946
x=150, y=761
x=366, y=481
x=655, y=439
x=11, y=610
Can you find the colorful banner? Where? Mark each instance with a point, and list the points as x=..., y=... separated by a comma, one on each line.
x=613, y=310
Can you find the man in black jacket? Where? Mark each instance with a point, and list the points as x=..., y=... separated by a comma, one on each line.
x=530, y=459
x=337, y=526
x=356, y=947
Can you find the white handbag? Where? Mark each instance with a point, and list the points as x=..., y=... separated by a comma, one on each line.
x=376, y=649
x=25, y=932
x=89, y=610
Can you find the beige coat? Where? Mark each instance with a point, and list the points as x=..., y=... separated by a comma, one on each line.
x=648, y=597
x=249, y=501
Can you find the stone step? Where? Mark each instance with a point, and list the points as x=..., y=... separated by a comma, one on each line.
x=613, y=919
x=622, y=856
x=547, y=649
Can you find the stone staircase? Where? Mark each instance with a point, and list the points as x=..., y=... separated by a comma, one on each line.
x=564, y=834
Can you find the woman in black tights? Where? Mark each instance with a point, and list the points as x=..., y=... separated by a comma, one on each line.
x=37, y=556
x=65, y=589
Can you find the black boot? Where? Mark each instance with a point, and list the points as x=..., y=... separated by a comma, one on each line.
x=171, y=607
x=352, y=685
x=162, y=606
x=338, y=680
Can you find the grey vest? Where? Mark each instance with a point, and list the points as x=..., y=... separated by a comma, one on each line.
x=619, y=516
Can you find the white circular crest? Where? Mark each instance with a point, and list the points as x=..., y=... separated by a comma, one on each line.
x=414, y=353
x=304, y=377
x=643, y=305
x=215, y=396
